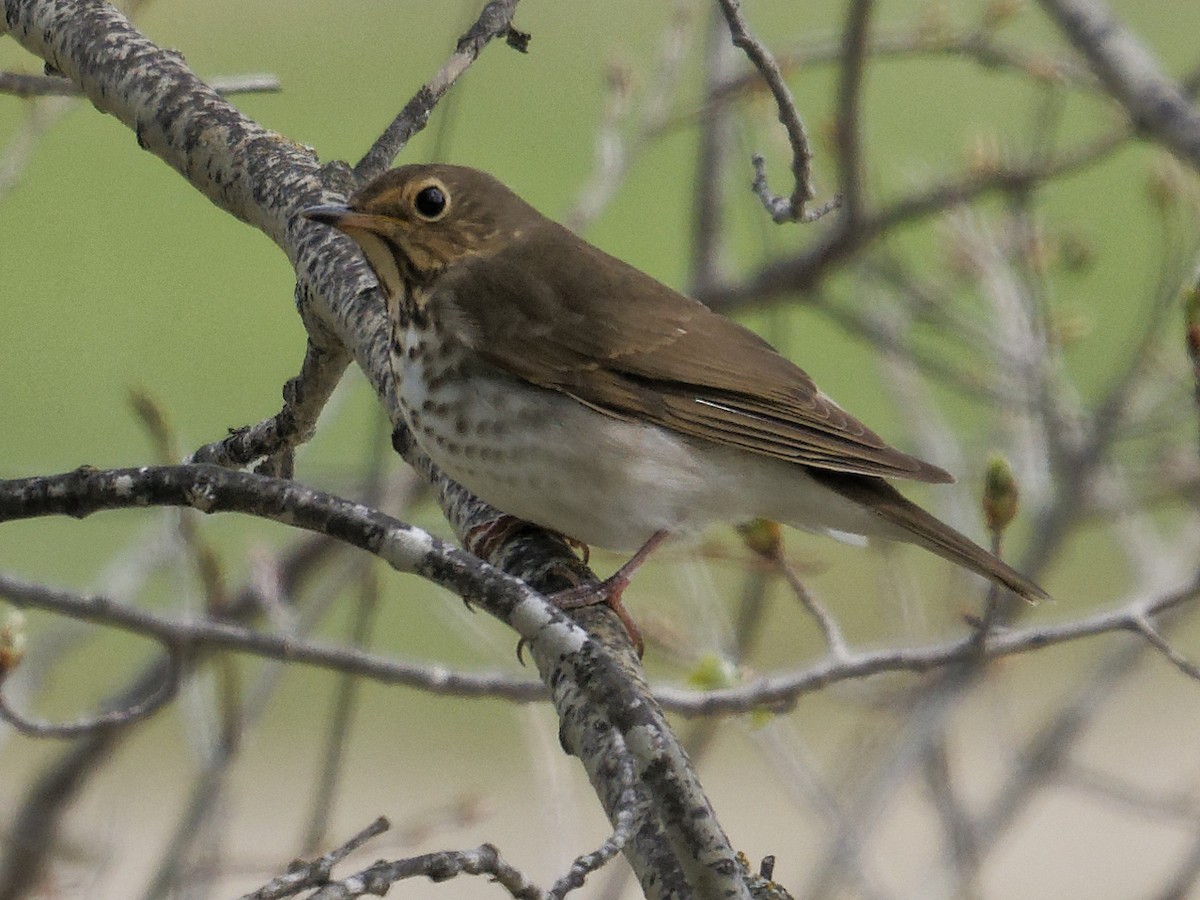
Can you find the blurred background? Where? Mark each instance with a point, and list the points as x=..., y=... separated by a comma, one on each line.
x=118, y=280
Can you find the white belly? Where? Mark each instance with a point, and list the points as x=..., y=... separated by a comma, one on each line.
x=601, y=480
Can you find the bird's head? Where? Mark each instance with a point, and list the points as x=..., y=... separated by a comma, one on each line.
x=416, y=221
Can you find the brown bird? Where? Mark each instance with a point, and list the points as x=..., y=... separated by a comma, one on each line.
x=569, y=389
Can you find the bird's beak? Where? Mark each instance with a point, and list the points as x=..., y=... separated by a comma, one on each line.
x=343, y=218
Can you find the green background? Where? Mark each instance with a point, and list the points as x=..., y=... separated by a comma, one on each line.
x=116, y=275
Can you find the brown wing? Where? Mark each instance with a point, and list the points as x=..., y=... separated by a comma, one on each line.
x=558, y=312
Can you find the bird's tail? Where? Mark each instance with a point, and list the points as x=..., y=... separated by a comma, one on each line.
x=916, y=526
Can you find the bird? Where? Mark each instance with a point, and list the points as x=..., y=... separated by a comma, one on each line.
x=571, y=390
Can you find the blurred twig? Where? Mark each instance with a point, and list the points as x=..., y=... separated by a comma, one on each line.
x=616, y=151
x=1156, y=104
x=847, y=131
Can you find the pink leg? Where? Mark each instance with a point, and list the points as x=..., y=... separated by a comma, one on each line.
x=610, y=589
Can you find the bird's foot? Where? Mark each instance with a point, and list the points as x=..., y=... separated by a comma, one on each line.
x=609, y=591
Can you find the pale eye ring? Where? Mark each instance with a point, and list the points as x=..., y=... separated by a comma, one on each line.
x=431, y=202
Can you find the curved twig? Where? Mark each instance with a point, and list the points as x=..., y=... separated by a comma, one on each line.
x=782, y=209
x=137, y=710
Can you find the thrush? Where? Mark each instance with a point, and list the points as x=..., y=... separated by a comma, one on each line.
x=569, y=389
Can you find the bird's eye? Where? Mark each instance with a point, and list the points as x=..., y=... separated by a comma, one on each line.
x=430, y=202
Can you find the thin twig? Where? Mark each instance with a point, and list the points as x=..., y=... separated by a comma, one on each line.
x=847, y=133
x=782, y=209
x=483, y=860
x=805, y=270
x=781, y=691
x=962, y=856
x=835, y=642
x=1181, y=806
x=192, y=636
x=41, y=116
x=135, y=711
x=1143, y=626
x=39, y=814
x=708, y=232
x=303, y=875
x=774, y=692
x=616, y=151
x=1191, y=325
x=625, y=820
x=345, y=703
x=21, y=84
x=304, y=397
x=973, y=43
x=494, y=21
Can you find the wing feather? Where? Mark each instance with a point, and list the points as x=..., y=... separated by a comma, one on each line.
x=560, y=313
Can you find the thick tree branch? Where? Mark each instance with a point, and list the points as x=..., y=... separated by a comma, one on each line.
x=605, y=706
x=265, y=180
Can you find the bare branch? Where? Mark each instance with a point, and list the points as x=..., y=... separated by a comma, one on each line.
x=349, y=688
x=593, y=695
x=847, y=134
x=782, y=209
x=20, y=84
x=977, y=43
x=302, y=876
x=483, y=860
x=779, y=692
x=495, y=21
x=962, y=856
x=773, y=692
x=40, y=117
x=1143, y=626
x=617, y=151
x=835, y=642
x=1191, y=305
x=189, y=637
x=135, y=711
x=625, y=820
x=805, y=270
x=304, y=397
x=39, y=814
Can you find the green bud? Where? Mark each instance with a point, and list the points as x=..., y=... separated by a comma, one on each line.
x=1000, y=495
x=713, y=673
x=762, y=536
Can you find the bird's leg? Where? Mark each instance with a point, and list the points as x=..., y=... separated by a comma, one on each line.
x=485, y=539
x=609, y=591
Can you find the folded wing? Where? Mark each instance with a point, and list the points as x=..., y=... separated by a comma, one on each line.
x=563, y=315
